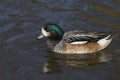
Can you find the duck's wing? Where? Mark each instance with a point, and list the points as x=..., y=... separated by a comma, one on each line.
x=83, y=37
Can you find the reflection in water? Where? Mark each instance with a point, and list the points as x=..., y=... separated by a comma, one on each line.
x=52, y=65
x=56, y=61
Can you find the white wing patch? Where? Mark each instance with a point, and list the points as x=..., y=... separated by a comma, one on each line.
x=79, y=42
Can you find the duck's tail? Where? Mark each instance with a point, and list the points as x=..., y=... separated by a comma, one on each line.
x=112, y=35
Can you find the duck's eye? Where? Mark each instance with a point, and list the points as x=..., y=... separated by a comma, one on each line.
x=54, y=33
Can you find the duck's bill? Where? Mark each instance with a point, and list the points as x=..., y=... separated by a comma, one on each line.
x=40, y=36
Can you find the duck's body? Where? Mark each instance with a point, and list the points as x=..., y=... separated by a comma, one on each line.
x=75, y=42
x=80, y=42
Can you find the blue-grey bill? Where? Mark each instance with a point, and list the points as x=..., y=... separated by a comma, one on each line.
x=40, y=36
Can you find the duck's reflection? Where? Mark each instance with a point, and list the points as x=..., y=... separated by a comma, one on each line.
x=56, y=61
x=52, y=65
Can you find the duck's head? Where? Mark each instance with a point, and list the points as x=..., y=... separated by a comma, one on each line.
x=52, y=31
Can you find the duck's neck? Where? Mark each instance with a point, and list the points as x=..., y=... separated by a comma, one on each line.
x=51, y=43
x=56, y=38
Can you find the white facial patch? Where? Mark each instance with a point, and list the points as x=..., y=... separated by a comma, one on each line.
x=45, y=33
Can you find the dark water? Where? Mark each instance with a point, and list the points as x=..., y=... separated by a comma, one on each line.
x=22, y=57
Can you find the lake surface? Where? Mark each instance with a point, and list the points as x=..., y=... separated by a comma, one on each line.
x=22, y=57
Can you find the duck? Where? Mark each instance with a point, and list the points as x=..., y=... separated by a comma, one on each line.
x=74, y=42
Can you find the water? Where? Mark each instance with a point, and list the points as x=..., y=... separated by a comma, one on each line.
x=22, y=57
